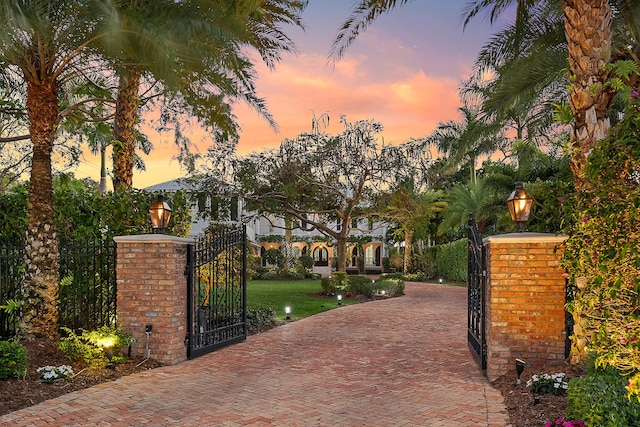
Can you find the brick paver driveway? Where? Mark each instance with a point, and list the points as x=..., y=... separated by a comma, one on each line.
x=399, y=362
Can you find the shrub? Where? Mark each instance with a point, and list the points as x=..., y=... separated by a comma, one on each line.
x=340, y=283
x=360, y=285
x=408, y=277
x=392, y=287
x=90, y=346
x=306, y=261
x=274, y=257
x=600, y=399
x=14, y=360
x=451, y=259
x=260, y=318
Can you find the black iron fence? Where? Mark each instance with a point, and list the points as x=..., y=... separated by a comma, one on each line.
x=87, y=297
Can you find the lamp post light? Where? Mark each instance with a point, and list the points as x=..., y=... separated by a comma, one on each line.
x=519, y=204
x=160, y=213
x=287, y=311
x=339, y=299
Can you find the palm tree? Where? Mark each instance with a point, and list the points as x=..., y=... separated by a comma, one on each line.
x=46, y=43
x=208, y=66
x=475, y=199
x=466, y=140
x=589, y=35
x=528, y=69
x=412, y=211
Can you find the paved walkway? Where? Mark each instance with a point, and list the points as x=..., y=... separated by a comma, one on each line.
x=399, y=362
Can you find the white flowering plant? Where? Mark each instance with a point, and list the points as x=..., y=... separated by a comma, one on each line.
x=548, y=384
x=51, y=373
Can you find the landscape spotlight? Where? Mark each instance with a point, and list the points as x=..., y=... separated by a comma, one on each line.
x=519, y=369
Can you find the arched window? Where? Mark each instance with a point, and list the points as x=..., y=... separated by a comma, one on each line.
x=368, y=255
x=378, y=257
x=354, y=257
x=262, y=251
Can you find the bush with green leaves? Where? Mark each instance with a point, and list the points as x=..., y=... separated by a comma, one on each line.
x=335, y=284
x=408, y=277
x=90, y=346
x=260, y=318
x=600, y=399
x=341, y=283
x=602, y=254
x=305, y=261
x=451, y=260
x=82, y=213
x=14, y=360
x=274, y=256
x=392, y=287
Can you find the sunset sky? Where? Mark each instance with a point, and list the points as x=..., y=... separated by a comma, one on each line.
x=404, y=72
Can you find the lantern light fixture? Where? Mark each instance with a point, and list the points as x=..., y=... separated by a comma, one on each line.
x=160, y=213
x=519, y=204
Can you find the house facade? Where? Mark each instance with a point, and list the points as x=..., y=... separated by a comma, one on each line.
x=365, y=250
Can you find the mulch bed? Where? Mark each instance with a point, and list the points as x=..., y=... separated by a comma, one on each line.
x=21, y=393
x=527, y=410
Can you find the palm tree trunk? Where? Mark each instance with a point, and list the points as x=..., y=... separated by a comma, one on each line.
x=589, y=36
x=40, y=287
x=124, y=129
x=588, y=33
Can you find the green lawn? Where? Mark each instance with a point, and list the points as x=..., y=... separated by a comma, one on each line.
x=295, y=294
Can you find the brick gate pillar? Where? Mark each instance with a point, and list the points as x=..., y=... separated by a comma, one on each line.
x=525, y=298
x=152, y=291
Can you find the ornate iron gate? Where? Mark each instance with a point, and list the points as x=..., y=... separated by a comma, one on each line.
x=217, y=289
x=476, y=275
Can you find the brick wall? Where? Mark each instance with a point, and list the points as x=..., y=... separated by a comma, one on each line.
x=152, y=291
x=525, y=297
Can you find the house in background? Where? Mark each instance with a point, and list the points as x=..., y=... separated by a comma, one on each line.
x=268, y=232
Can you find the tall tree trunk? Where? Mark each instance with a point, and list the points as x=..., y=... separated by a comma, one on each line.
x=408, y=243
x=124, y=129
x=589, y=36
x=287, y=247
x=40, y=287
x=341, y=249
x=588, y=33
x=103, y=169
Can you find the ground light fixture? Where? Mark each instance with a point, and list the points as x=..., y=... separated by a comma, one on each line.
x=519, y=204
x=339, y=299
x=519, y=369
x=440, y=280
x=287, y=311
x=160, y=213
